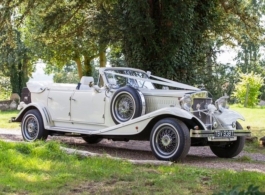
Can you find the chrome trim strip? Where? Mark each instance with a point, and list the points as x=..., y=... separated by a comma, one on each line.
x=46, y=115
x=143, y=102
x=78, y=122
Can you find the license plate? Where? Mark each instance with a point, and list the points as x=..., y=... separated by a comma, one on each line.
x=224, y=133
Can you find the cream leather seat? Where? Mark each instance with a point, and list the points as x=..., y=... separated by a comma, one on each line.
x=86, y=82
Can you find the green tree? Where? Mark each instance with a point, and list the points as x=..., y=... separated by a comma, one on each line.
x=249, y=58
x=68, y=74
x=15, y=60
x=5, y=88
x=65, y=32
x=172, y=38
x=247, y=89
x=178, y=39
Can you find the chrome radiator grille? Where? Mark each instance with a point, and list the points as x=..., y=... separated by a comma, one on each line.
x=155, y=103
x=200, y=107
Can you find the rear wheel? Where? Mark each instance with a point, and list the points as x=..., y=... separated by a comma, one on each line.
x=32, y=127
x=170, y=140
x=92, y=139
x=231, y=149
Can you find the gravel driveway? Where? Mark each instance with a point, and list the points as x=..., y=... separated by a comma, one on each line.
x=140, y=150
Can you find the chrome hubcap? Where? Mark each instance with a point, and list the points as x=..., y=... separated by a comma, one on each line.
x=31, y=127
x=166, y=140
x=124, y=107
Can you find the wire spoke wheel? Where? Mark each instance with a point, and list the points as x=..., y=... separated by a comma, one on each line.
x=32, y=127
x=127, y=103
x=167, y=140
x=124, y=107
x=170, y=140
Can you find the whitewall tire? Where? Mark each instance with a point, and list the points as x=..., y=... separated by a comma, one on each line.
x=170, y=140
x=127, y=103
x=32, y=127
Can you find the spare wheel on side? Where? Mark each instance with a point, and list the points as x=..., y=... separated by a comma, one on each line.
x=127, y=103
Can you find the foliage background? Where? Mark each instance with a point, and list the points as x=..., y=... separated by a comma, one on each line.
x=247, y=90
x=176, y=39
x=5, y=89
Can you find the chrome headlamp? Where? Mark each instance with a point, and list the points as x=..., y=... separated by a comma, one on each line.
x=186, y=102
x=222, y=103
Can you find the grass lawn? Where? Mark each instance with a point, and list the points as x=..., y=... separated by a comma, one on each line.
x=42, y=168
x=5, y=117
x=254, y=117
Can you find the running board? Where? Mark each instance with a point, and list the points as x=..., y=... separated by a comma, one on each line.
x=74, y=131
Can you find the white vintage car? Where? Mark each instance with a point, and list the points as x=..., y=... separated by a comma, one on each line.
x=125, y=104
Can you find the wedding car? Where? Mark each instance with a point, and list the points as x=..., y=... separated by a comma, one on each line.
x=125, y=104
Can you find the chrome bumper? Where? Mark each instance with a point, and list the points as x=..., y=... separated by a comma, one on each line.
x=211, y=134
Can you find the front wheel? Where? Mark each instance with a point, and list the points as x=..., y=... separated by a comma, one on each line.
x=32, y=127
x=231, y=149
x=170, y=140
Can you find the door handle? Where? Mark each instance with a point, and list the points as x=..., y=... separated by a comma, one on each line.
x=50, y=98
x=73, y=99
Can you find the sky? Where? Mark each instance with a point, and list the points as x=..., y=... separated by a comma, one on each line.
x=227, y=56
x=39, y=74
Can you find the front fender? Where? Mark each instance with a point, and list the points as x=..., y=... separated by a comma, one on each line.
x=180, y=113
x=227, y=117
x=40, y=107
x=172, y=111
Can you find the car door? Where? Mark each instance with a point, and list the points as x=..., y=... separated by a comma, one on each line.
x=59, y=104
x=88, y=106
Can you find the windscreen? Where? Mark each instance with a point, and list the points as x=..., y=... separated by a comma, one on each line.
x=120, y=81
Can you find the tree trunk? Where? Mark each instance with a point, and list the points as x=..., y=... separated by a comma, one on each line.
x=79, y=67
x=20, y=77
x=246, y=59
x=209, y=62
x=25, y=73
x=14, y=79
x=87, y=65
x=102, y=56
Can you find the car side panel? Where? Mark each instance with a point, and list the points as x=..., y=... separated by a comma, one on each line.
x=59, y=104
x=88, y=106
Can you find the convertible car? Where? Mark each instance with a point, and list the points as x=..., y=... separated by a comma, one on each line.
x=125, y=104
